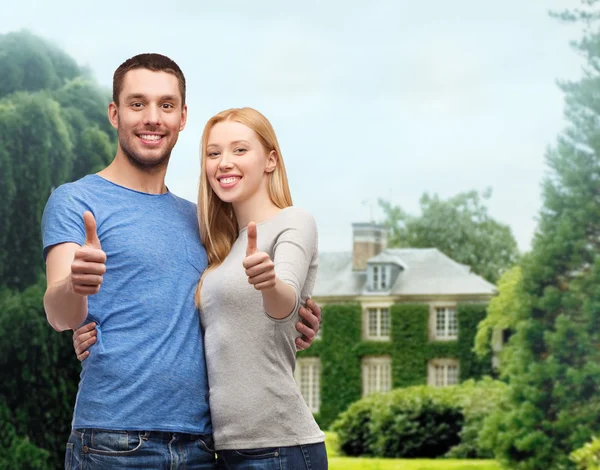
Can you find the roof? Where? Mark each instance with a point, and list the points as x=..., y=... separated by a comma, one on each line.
x=424, y=271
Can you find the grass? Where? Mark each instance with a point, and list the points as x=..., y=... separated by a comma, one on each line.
x=347, y=463
x=351, y=463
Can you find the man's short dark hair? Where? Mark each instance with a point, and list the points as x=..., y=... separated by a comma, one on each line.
x=153, y=62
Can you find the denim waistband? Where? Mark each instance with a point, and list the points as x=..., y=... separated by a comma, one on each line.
x=161, y=435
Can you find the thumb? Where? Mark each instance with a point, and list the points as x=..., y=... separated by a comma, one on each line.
x=251, y=239
x=91, y=236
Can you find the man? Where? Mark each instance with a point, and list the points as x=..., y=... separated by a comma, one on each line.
x=124, y=254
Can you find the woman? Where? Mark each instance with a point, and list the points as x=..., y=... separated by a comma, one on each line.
x=262, y=258
x=262, y=255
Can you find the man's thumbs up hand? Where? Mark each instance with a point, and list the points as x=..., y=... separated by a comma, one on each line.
x=88, y=265
x=91, y=235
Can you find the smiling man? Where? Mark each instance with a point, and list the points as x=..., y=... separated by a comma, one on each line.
x=124, y=254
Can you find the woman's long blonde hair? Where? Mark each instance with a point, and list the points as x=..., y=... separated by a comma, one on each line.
x=216, y=219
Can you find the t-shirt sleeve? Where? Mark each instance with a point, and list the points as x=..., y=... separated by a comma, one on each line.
x=62, y=220
x=295, y=250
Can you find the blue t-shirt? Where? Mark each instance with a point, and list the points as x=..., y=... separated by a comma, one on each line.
x=146, y=370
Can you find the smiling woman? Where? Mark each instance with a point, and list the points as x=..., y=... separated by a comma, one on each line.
x=255, y=242
x=236, y=162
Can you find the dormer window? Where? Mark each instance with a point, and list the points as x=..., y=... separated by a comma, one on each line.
x=380, y=276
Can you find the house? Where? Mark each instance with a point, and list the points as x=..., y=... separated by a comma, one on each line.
x=379, y=281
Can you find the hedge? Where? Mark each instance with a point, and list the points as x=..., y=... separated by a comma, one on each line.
x=421, y=421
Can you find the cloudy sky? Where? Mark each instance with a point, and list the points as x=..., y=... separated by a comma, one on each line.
x=378, y=99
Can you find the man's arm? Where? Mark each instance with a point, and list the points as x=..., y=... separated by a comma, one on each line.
x=64, y=308
x=73, y=272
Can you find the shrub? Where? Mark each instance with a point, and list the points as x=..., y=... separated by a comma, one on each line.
x=588, y=457
x=418, y=422
x=478, y=400
x=353, y=426
x=410, y=422
x=421, y=421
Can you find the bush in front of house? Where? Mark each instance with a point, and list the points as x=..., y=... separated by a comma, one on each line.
x=416, y=421
x=420, y=421
x=478, y=399
x=353, y=427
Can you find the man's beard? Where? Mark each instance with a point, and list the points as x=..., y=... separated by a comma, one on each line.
x=149, y=166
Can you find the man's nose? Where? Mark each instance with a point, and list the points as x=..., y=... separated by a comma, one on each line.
x=152, y=116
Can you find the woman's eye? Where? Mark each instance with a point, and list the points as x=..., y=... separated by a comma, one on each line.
x=240, y=150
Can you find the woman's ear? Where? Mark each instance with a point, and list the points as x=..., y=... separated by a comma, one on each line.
x=272, y=159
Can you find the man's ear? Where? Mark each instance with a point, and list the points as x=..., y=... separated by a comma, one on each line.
x=183, y=118
x=113, y=114
x=272, y=160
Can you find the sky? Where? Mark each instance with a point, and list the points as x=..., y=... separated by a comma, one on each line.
x=381, y=99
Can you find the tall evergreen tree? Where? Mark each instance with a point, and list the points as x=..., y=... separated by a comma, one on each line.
x=554, y=365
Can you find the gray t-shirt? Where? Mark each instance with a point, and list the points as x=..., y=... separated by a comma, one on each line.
x=254, y=400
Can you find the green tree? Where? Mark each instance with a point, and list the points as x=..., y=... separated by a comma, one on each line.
x=39, y=377
x=47, y=137
x=84, y=95
x=502, y=312
x=460, y=227
x=554, y=366
x=30, y=63
x=53, y=129
x=35, y=136
x=84, y=107
x=8, y=190
x=18, y=453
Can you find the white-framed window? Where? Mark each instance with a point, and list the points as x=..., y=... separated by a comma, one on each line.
x=378, y=323
x=380, y=275
x=446, y=323
x=308, y=378
x=443, y=372
x=376, y=374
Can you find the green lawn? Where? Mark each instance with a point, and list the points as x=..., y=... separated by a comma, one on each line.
x=348, y=463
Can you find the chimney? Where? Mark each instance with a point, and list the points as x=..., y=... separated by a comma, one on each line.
x=368, y=240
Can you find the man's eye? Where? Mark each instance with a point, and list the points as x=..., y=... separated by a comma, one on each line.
x=136, y=105
x=168, y=105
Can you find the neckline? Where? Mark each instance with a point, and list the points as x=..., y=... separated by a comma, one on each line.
x=95, y=175
x=266, y=221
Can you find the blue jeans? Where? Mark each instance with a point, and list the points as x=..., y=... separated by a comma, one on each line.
x=96, y=449
x=303, y=457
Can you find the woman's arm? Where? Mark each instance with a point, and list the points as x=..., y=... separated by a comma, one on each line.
x=281, y=280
